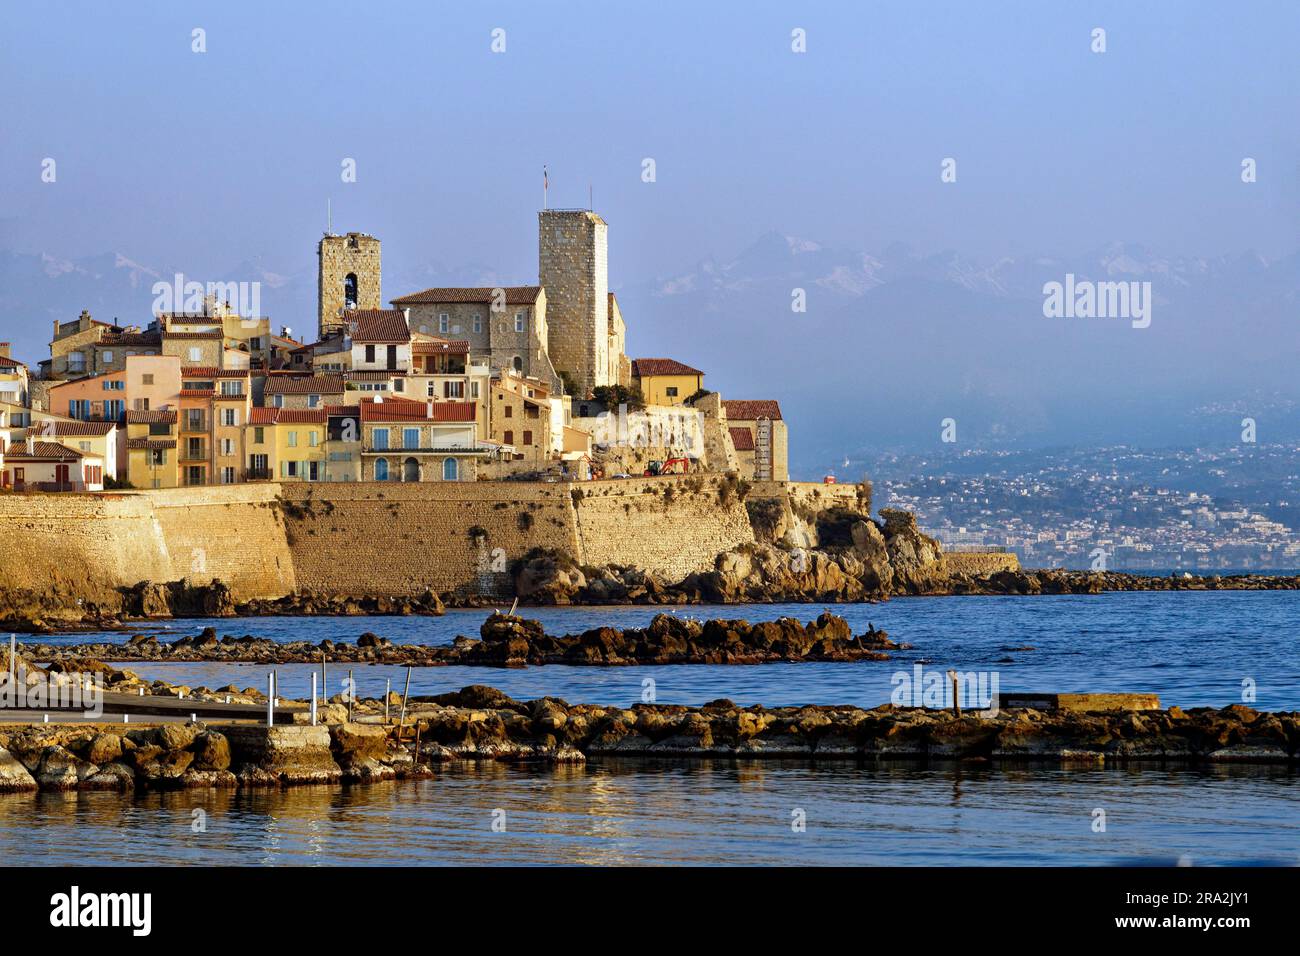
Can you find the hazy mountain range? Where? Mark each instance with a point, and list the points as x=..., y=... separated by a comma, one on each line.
x=891, y=343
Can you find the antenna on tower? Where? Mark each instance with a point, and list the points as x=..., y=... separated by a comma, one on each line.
x=590, y=207
x=329, y=218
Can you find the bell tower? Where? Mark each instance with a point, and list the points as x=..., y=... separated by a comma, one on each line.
x=347, y=278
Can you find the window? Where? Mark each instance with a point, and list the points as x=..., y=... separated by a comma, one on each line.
x=430, y=390
x=399, y=385
x=449, y=469
x=478, y=323
x=528, y=438
x=106, y=357
x=381, y=469
x=313, y=438
x=379, y=438
x=473, y=389
x=453, y=389
x=277, y=401
x=194, y=419
x=140, y=404
x=79, y=408
x=232, y=387
x=518, y=364
x=258, y=463
x=313, y=401
x=350, y=290
x=114, y=409
x=671, y=391
x=259, y=436
x=227, y=447
x=196, y=354
x=444, y=322
x=508, y=437
x=370, y=353
x=76, y=362
x=510, y=411
x=147, y=378
x=111, y=385
x=84, y=445
x=410, y=438
x=255, y=343
x=519, y=321
x=230, y=417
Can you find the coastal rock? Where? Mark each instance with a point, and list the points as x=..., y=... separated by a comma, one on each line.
x=14, y=777
x=211, y=751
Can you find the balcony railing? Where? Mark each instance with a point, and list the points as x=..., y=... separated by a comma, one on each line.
x=257, y=474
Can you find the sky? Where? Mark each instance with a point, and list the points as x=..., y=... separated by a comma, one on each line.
x=205, y=160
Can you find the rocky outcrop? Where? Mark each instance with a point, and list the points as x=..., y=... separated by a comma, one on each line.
x=504, y=640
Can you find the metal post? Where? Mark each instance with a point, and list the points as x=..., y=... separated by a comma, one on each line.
x=13, y=658
x=352, y=694
x=313, y=698
x=388, y=692
x=270, y=698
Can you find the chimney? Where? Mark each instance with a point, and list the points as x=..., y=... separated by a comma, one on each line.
x=31, y=444
x=4, y=350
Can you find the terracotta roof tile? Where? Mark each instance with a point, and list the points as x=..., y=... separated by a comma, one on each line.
x=48, y=450
x=515, y=295
x=286, y=416
x=71, y=428
x=379, y=325
x=440, y=347
x=644, y=367
x=152, y=444
x=331, y=384
x=401, y=410
x=742, y=439
x=751, y=410
x=161, y=416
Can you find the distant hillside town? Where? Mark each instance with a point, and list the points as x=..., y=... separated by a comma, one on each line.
x=444, y=384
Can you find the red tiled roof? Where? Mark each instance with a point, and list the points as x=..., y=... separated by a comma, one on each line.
x=168, y=334
x=644, y=367
x=440, y=347
x=130, y=338
x=379, y=325
x=162, y=416
x=751, y=410
x=742, y=439
x=11, y=363
x=71, y=428
x=401, y=410
x=47, y=450
x=374, y=376
x=303, y=384
x=207, y=371
x=152, y=444
x=197, y=392
x=286, y=416
x=515, y=295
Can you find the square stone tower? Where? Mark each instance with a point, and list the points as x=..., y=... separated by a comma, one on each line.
x=573, y=269
x=348, y=277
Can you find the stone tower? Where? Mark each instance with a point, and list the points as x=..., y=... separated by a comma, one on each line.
x=573, y=269
x=348, y=277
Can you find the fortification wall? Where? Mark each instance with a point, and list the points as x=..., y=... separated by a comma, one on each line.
x=979, y=564
x=87, y=544
x=366, y=538
x=233, y=533
x=671, y=525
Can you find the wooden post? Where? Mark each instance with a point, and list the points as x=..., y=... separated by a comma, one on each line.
x=401, y=721
x=514, y=606
x=956, y=701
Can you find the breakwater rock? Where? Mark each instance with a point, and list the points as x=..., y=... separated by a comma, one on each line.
x=1058, y=581
x=506, y=640
x=481, y=723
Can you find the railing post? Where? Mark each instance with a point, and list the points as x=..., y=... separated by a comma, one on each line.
x=313, y=698
x=270, y=699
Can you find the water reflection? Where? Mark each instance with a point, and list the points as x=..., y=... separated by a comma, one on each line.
x=697, y=812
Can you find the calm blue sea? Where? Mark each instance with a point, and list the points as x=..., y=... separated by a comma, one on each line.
x=1191, y=648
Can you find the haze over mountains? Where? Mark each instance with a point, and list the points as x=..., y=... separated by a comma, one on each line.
x=892, y=341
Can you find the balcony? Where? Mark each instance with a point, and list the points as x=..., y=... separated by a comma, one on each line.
x=257, y=474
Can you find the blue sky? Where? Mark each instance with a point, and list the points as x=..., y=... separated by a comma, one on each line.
x=210, y=158
x=203, y=162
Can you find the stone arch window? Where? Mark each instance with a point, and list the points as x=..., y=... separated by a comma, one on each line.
x=450, y=469
x=350, y=290
x=410, y=470
x=381, y=469
x=518, y=364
